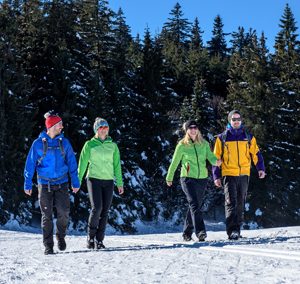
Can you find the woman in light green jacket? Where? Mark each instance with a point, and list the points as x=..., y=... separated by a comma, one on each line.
x=192, y=151
x=102, y=157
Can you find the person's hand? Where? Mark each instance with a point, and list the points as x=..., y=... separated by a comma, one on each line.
x=169, y=183
x=121, y=189
x=75, y=189
x=219, y=163
x=28, y=191
x=218, y=182
x=261, y=174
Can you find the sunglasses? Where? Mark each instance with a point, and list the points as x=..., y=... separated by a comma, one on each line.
x=103, y=127
x=236, y=119
x=193, y=127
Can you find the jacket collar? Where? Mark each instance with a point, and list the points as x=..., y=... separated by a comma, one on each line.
x=44, y=134
x=98, y=140
x=230, y=129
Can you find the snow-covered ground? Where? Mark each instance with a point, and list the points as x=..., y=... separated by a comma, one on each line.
x=261, y=256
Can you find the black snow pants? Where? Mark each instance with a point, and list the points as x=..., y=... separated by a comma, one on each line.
x=235, y=190
x=58, y=196
x=100, y=194
x=194, y=190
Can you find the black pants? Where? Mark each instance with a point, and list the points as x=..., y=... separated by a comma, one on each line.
x=194, y=190
x=58, y=196
x=100, y=194
x=235, y=189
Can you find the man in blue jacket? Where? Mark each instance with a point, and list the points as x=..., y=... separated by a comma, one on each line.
x=52, y=157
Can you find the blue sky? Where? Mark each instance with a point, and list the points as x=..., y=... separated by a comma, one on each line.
x=261, y=15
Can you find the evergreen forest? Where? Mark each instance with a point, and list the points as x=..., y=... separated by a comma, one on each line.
x=80, y=59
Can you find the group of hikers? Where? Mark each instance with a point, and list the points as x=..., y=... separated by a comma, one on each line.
x=52, y=157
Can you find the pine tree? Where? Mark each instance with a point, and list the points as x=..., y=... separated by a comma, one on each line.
x=197, y=64
x=218, y=64
x=217, y=45
x=177, y=28
x=284, y=153
x=240, y=40
x=15, y=120
x=196, y=36
x=175, y=39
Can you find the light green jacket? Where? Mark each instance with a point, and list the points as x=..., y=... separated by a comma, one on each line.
x=102, y=159
x=193, y=160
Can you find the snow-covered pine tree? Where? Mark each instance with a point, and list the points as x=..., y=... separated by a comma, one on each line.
x=15, y=120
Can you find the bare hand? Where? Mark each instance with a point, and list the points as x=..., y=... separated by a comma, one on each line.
x=75, y=189
x=28, y=191
x=219, y=163
x=169, y=183
x=261, y=174
x=121, y=189
x=218, y=183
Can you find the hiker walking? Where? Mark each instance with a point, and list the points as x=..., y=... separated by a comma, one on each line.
x=192, y=151
x=102, y=158
x=236, y=148
x=52, y=157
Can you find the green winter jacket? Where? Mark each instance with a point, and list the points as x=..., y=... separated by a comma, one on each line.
x=193, y=160
x=102, y=159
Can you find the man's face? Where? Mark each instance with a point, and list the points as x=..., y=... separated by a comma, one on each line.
x=57, y=128
x=236, y=121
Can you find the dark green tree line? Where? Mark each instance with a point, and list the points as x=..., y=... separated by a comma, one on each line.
x=80, y=59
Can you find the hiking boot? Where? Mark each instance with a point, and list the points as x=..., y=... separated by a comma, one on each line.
x=48, y=250
x=234, y=235
x=61, y=243
x=202, y=236
x=90, y=243
x=100, y=245
x=186, y=237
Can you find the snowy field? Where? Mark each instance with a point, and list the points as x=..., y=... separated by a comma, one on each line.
x=261, y=256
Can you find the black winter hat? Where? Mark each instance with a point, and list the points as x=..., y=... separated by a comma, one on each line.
x=188, y=124
x=232, y=113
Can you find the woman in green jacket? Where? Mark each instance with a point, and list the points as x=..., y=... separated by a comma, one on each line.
x=192, y=151
x=102, y=157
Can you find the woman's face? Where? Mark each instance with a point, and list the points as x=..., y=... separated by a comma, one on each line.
x=192, y=131
x=103, y=131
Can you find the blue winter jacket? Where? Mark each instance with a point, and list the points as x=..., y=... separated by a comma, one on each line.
x=55, y=166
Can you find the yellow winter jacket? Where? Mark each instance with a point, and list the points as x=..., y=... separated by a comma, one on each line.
x=237, y=151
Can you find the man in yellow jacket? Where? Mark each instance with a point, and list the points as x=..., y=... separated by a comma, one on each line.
x=236, y=148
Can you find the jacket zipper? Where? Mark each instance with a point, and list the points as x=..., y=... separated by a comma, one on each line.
x=238, y=154
x=197, y=161
x=228, y=153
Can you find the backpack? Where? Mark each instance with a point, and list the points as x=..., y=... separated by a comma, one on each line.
x=224, y=136
x=46, y=147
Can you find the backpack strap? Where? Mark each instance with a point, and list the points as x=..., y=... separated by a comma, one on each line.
x=45, y=149
x=61, y=147
x=223, y=137
x=248, y=137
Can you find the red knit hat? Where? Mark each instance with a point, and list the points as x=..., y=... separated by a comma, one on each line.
x=51, y=119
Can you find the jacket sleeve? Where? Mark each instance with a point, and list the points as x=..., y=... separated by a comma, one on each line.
x=30, y=166
x=117, y=166
x=218, y=153
x=72, y=165
x=83, y=160
x=177, y=157
x=256, y=155
x=211, y=157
